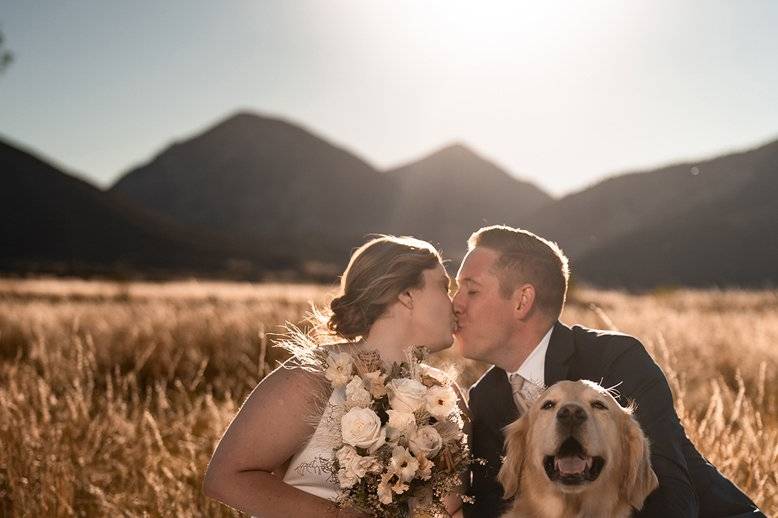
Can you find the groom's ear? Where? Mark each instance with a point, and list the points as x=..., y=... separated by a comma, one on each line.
x=523, y=300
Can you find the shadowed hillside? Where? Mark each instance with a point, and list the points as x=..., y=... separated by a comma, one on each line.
x=447, y=195
x=727, y=241
x=623, y=204
x=50, y=221
x=278, y=186
x=705, y=223
x=272, y=184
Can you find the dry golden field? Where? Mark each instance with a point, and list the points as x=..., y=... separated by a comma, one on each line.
x=113, y=395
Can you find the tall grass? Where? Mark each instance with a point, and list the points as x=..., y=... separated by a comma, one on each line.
x=113, y=396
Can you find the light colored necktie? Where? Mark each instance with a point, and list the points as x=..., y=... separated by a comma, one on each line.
x=524, y=392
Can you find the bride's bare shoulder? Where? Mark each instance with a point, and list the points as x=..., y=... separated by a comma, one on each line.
x=289, y=375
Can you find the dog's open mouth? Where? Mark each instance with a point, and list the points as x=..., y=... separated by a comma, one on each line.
x=571, y=465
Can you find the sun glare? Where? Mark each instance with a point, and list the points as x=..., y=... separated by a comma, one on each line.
x=479, y=34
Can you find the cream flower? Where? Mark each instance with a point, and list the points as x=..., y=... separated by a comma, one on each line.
x=441, y=402
x=406, y=395
x=399, y=486
x=384, y=490
x=425, y=467
x=356, y=395
x=403, y=464
x=430, y=376
x=339, y=368
x=353, y=466
x=400, y=423
x=361, y=427
x=425, y=441
x=375, y=383
x=390, y=483
x=346, y=475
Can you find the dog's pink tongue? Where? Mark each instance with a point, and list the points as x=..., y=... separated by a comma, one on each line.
x=571, y=465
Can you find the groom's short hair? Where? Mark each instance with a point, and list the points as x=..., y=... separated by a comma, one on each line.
x=526, y=257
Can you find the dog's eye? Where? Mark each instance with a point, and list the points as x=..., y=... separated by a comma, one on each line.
x=547, y=405
x=599, y=405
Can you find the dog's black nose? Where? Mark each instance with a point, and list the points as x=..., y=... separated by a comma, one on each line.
x=571, y=415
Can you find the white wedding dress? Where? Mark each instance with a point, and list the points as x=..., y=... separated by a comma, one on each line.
x=309, y=469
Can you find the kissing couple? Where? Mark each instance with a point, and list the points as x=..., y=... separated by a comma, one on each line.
x=275, y=461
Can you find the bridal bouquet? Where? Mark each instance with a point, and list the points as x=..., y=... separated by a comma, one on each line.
x=401, y=443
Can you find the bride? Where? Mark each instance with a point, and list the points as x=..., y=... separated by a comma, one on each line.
x=394, y=294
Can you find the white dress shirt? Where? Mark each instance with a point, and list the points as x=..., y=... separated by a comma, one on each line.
x=533, y=368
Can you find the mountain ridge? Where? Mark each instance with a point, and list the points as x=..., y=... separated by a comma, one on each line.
x=53, y=221
x=267, y=192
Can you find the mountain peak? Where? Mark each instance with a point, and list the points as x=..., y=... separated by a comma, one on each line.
x=241, y=115
x=454, y=158
x=245, y=119
x=452, y=191
x=455, y=150
x=265, y=180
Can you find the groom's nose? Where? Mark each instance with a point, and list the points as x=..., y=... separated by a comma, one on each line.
x=456, y=302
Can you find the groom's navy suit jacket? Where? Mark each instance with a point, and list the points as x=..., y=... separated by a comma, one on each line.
x=688, y=484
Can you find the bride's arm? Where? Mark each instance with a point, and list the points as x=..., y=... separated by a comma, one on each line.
x=271, y=426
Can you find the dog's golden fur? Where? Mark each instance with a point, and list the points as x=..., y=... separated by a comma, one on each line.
x=615, y=453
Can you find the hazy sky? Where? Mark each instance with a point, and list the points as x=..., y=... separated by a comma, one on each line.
x=559, y=93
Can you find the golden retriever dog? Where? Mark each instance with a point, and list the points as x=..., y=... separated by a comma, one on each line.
x=576, y=453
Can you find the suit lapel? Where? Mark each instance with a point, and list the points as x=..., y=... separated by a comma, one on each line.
x=560, y=350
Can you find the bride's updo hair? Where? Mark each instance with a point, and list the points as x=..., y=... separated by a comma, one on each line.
x=377, y=273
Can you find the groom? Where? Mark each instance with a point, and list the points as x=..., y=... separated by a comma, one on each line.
x=511, y=290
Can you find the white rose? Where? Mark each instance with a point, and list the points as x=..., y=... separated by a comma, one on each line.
x=361, y=427
x=441, y=402
x=356, y=395
x=339, y=368
x=400, y=423
x=353, y=466
x=425, y=442
x=406, y=395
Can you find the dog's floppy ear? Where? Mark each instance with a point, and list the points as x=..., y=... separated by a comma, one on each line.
x=515, y=451
x=640, y=479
